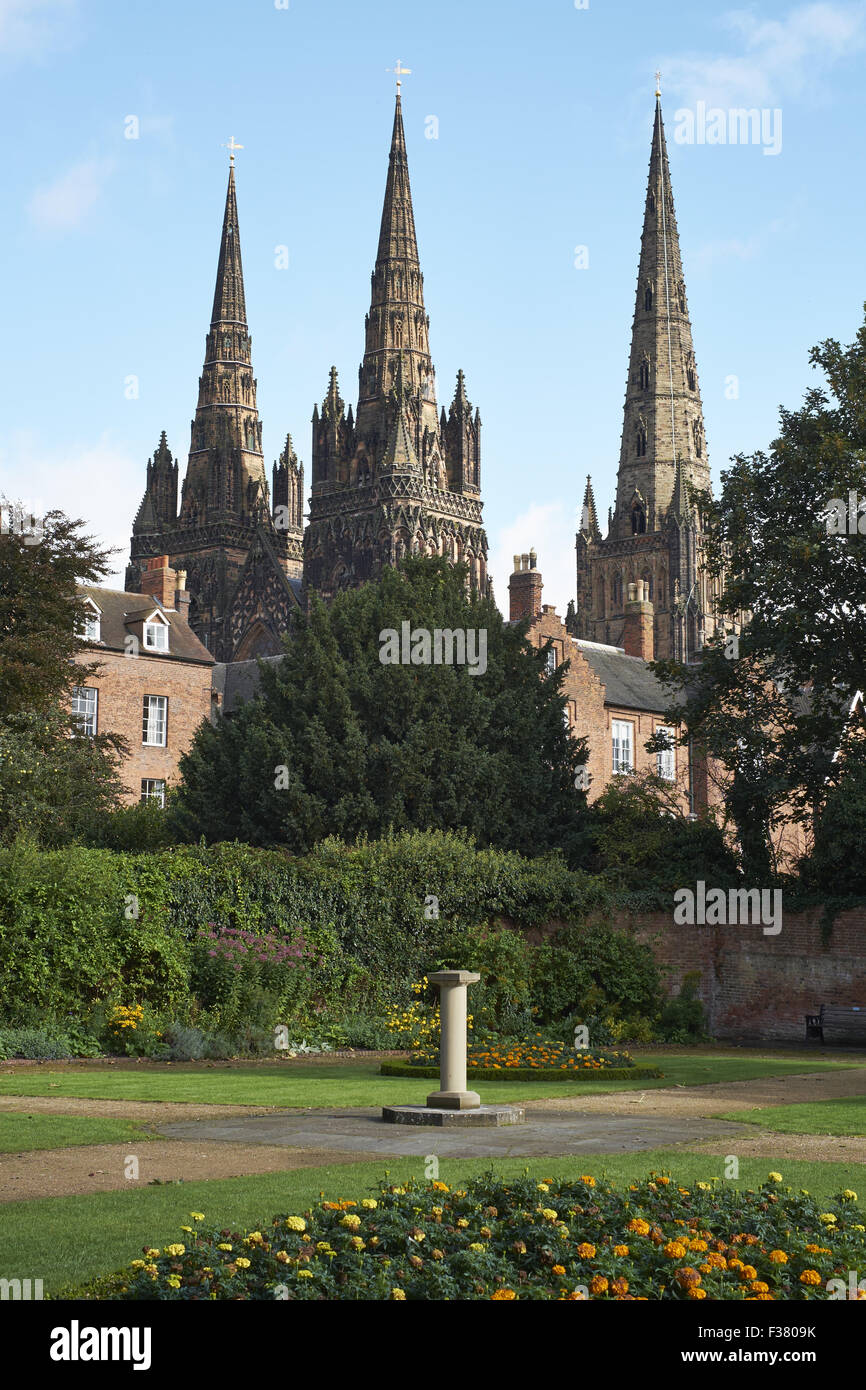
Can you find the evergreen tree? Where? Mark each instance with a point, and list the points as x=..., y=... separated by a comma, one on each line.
x=341, y=742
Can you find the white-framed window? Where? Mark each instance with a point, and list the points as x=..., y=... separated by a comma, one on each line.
x=153, y=789
x=89, y=630
x=85, y=700
x=550, y=661
x=156, y=637
x=666, y=762
x=154, y=720
x=622, y=735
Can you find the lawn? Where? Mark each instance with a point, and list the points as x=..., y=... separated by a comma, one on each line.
x=66, y=1241
x=359, y=1083
x=21, y=1133
x=812, y=1117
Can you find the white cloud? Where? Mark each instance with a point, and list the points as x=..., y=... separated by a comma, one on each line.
x=95, y=481
x=778, y=58
x=550, y=531
x=65, y=203
x=28, y=28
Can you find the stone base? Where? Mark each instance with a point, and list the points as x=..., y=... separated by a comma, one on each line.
x=482, y=1116
x=453, y=1100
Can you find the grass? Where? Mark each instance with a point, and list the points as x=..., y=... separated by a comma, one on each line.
x=812, y=1117
x=67, y=1241
x=22, y=1133
x=359, y=1084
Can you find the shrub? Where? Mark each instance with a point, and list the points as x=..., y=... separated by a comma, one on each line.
x=683, y=1019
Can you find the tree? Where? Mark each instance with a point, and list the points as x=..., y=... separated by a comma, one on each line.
x=342, y=742
x=786, y=541
x=53, y=780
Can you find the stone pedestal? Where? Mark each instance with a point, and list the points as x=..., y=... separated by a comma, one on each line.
x=453, y=1093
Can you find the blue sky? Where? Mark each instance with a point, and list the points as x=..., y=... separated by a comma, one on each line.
x=544, y=110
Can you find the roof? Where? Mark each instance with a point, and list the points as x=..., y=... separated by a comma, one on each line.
x=120, y=610
x=628, y=681
x=237, y=681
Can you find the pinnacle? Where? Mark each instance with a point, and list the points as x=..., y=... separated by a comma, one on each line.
x=229, y=303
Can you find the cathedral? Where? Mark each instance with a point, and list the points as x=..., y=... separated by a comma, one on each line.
x=654, y=545
x=398, y=477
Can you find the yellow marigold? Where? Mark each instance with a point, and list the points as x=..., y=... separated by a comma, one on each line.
x=810, y=1276
x=664, y=1181
x=674, y=1250
x=758, y=1286
x=173, y=1282
x=586, y=1251
x=152, y=1253
x=774, y=1177
x=223, y=1247
x=818, y=1249
x=549, y=1214
x=715, y=1260
x=350, y=1221
x=369, y=1204
x=735, y=1264
x=598, y=1285
x=704, y=1186
x=151, y=1270
x=748, y=1272
x=588, y=1179
x=640, y=1228
x=827, y=1217
x=175, y=1250
x=296, y=1223
x=778, y=1257
x=305, y=1274
x=242, y=1263
x=197, y=1215
x=619, y=1286
x=438, y=1254
x=398, y=1295
x=558, y=1269
x=462, y=1222
x=620, y=1249
x=503, y=1296
x=476, y=1246
x=849, y=1195
x=542, y=1187
x=357, y=1243
x=695, y=1292
x=187, y=1229
x=697, y=1245
x=858, y=1228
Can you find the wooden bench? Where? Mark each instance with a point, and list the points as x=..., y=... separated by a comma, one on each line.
x=844, y=1020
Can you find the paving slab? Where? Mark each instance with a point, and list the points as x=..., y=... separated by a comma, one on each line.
x=545, y=1133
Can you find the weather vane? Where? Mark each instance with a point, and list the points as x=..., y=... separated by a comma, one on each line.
x=231, y=147
x=658, y=84
x=400, y=71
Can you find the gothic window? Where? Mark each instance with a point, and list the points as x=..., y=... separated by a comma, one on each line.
x=227, y=389
x=648, y=298
x=681, y=291
x=638, y=520
x=641, y=441
x=652, y=202
x=699, y=443
x=227, y=346
x=644, y=376
x=398, y=331
x=691, y=377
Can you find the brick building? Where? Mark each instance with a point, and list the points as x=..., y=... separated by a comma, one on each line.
x=154, y=682
x=613, y=698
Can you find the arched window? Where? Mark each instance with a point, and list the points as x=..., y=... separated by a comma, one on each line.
x=648, y=298
x=641, y=441
x=699, y=441
x=638, y=520
x=644, y=376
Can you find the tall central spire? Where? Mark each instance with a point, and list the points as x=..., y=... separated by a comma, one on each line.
x=226, y=473
x=397, y=324
x=663, y=417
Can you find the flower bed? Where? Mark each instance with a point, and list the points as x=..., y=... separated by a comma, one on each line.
x=527, y=1061
x=520, y=1239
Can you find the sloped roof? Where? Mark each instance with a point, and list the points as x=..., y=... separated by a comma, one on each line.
x=119, y=609
x=628, y=681
x=238, y=680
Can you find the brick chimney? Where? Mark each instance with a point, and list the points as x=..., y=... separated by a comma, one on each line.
x=181, y=596
x=637, y=637
x=161, y=580
x=524, y=588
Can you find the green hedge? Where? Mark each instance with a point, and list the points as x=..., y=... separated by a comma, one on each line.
x=82, y=927
x=530, y=1073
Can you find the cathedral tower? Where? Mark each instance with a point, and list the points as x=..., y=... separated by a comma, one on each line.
x=654, y=533
x=243, y=561
x=399, y=477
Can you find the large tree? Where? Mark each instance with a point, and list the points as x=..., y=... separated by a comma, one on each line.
x=340, y=742
x=771, y=707
x=53, y=779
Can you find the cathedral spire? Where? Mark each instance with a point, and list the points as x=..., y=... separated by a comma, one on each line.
x=229, y=304
x=397, y=324
x=663, y=418
x=226, y=472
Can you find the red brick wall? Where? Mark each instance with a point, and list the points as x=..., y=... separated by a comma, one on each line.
x=754, y=985
x=122, y=683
